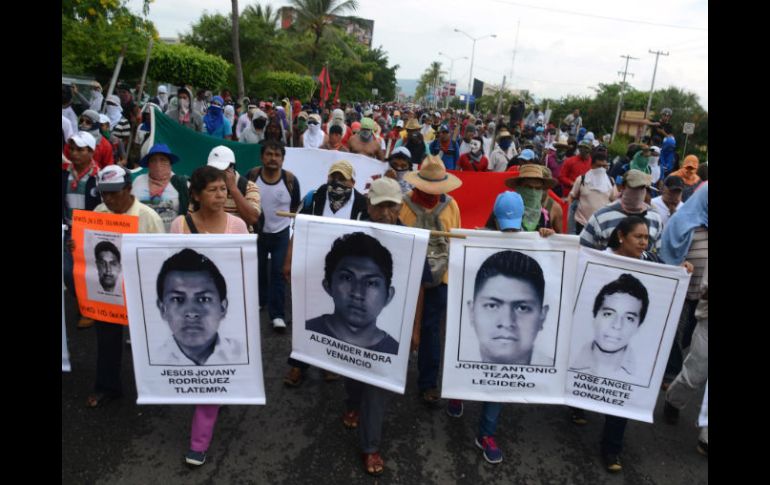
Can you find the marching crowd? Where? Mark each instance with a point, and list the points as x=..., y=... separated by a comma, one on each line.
x=645, y=204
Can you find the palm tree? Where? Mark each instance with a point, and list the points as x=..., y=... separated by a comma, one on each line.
x=430, y=78
x=267, y=15
x=315, y=16
x=237, y=52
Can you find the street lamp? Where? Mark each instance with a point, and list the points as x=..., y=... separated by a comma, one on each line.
x=451, y=67
x=470, y=75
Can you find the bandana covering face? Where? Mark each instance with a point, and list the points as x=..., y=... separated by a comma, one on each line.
x=114, y=113
x=428, y=201
x=159, y=177
x=505, y=144
x=632, y=200
x=338, y=194
x=596, y=179
x=365, y=135
x=215, y=116
x=533, y=202
x=639, y=163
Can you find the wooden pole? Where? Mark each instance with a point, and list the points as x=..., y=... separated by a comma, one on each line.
x=432, y=233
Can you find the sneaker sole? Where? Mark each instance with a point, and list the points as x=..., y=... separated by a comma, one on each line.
x=190, y=461
x=460, y=415
x=479, y=445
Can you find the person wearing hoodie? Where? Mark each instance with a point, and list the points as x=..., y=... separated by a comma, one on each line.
x=229, y=114
x=255, y=132
x=689, y=174
x=246, y=116
x=314, y=136
x=215, y=122
x=488, y=137
x=103, y=154
x=183, y=113
x=667, y=150
x=338, y=118
x=161, y=98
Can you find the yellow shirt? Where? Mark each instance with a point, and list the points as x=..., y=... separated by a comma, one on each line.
x=449, y=217
x=149, y=220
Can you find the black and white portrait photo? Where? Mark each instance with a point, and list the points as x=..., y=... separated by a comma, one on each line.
x=355, y=287
x=193, y=315
x=509, y=314
x=104, y=270
x=618, y=323
x=508, y=318
x=192, y=300
x=358, y=277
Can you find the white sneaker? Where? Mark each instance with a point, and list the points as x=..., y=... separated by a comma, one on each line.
x=278, y=323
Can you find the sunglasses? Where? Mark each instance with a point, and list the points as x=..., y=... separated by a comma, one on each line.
x=312, y=122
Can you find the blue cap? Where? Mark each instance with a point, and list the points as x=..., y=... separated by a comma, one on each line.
x=508, y=210
x=158, y=148
x=527, y=154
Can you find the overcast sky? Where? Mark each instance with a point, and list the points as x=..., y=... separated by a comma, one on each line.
x=564, y=48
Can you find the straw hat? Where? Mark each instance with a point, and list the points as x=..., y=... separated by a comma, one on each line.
x=563, y=143
x=412, y=125
x=433, y=177
x=530, y=171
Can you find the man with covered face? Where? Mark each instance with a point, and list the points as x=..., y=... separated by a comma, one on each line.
x=183, y=113
x=415, y=143
x=89, y=122
x=364, y=142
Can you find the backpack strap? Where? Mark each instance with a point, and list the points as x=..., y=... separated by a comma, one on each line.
x=190, y=224
x=243, y=184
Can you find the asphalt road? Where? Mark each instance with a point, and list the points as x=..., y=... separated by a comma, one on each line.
x=298, y=437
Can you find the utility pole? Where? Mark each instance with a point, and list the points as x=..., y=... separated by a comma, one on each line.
x=500, y=99
x=649, y=101
x=622, y=91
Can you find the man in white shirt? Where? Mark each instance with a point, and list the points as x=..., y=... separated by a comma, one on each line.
x=670, y=200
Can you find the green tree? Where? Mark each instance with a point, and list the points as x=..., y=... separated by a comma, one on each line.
x=184, y=64
x=93, y=33
x=430, y=77
x=315, y=16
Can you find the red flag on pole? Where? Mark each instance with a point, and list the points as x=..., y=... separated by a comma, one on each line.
x=328, y=86
x=321, y=77
x=337, y=94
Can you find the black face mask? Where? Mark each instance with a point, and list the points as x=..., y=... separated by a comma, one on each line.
x=260, y=123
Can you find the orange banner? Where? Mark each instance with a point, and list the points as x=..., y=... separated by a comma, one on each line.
x=476, y=197
x=97, y=270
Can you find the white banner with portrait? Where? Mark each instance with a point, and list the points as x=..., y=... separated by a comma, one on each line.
x=354, y=293
x=624, y=322
x=508, y=316
x=311, y=166
x=65, y=355
x=193, y=316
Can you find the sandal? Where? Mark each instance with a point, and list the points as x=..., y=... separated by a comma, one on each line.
x=350, y=419
x=431, y=397
x=373, y=463
x=99, y=400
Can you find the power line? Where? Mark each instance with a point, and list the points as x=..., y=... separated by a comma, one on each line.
x=603, y=17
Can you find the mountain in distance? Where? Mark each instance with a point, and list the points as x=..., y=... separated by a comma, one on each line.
x=407, y=86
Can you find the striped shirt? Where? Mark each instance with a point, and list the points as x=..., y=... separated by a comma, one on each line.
x=698, y=255
x=122, y=129
x=597, y=231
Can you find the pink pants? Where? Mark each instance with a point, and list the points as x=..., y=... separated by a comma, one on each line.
x=203, y=422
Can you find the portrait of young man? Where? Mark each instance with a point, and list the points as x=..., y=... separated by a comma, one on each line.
x=507, y=311
x=108, y=267
x=192, y=299
x=358, y=273
x=618, y=311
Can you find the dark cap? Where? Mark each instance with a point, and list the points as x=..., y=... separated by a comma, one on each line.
x=673, y=182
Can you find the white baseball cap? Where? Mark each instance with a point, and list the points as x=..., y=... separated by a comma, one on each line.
x=402, y=150
x=103, y=119
x=84, y=139
x=221, y=157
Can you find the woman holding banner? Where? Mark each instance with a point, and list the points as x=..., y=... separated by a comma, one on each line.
x=629, y=239
x=208, y=193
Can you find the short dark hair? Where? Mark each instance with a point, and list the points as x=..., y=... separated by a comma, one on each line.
x=335, y=130
x=361, y=245
x=511, y=264
x=275, y=145
x=188, y=260
x=103, y=246
x=200, y=178
x=625, y=226
x=625, y=284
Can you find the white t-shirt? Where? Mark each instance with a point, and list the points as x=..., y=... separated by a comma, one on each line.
x=167, y=205
x=275, y=197
x=660, y=207
x=66, y=128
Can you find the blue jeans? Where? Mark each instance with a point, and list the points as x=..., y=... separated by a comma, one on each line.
x=273, y=294
x=490, y=411
x=612, y=435
x=429, y=352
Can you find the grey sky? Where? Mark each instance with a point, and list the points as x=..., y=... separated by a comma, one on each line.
x=559, y=53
